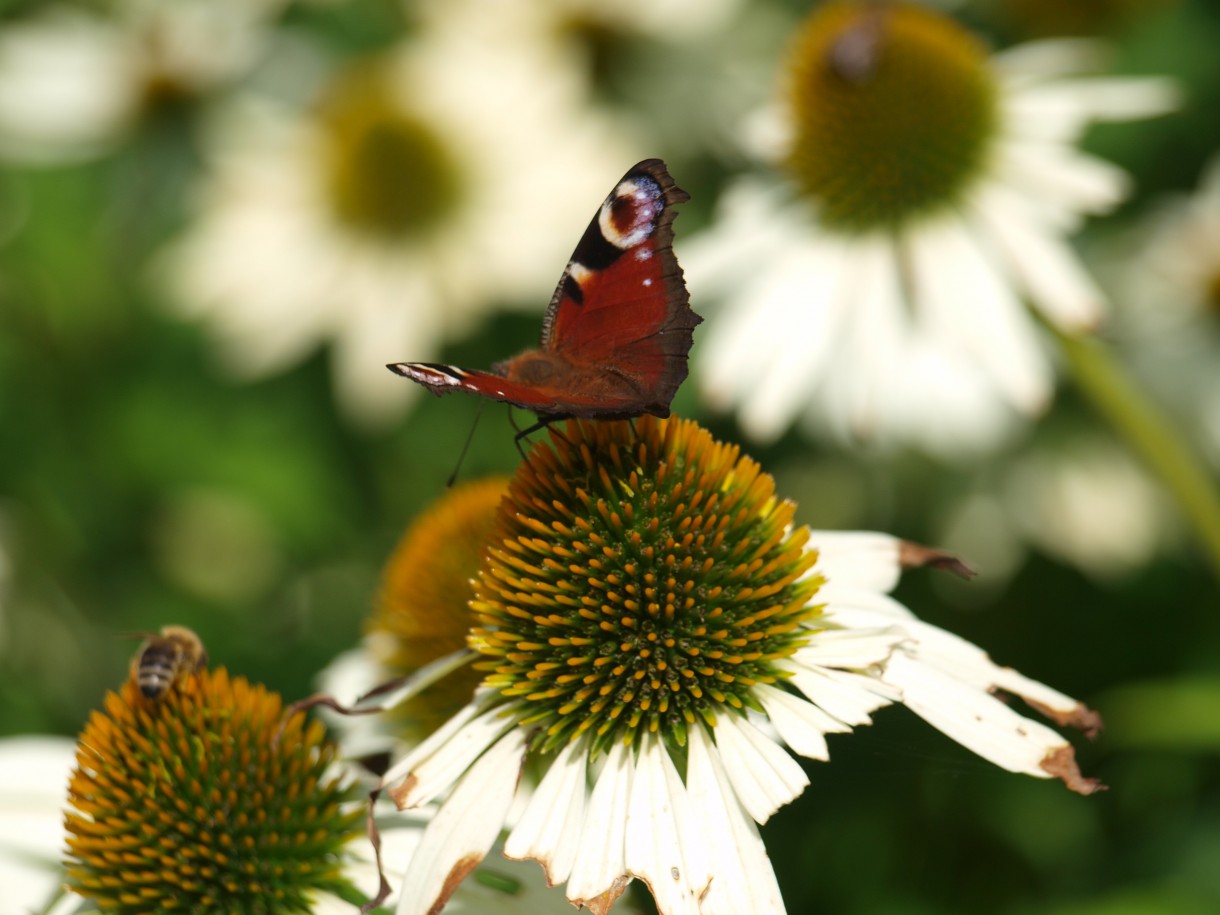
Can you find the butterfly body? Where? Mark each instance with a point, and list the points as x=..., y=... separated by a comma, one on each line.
x=618, y=329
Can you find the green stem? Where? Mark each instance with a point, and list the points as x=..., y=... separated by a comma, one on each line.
x=1137, y=419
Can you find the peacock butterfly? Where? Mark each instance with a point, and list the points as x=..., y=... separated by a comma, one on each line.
x=619, y=326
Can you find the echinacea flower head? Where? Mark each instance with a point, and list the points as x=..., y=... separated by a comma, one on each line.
x=387, y=217
x=206, y=800
x=658, y=637
x=882, y=291
x=892, y=108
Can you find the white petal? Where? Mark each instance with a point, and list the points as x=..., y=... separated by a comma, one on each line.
x=664, y=846
x=1071, y=180
x=443, y=757
x=847, y=696
x=800, y=723
x=1037, y=61
x=764, y=776
x=854, y=648
x=801, y=341
x=346, y=677
x=34, y=775
x=969, y=306
x=743, y=881
x=549, y=830
x=859, y=608
x=975, y=719
x=871, y=345
x=1039, y=261
x=1061, y=110
x=464, y=828
x=968, y=663
x=600, y=867
x=860, y=558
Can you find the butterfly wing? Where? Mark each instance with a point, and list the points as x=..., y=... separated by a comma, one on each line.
x=543, y=398
x=617, y=332
x=621, y=305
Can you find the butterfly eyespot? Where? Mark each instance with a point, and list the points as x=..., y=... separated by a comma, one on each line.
x=627, y=219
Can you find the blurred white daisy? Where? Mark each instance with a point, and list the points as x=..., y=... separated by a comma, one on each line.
x=657, y=637
x=1166, y=279
x=883, y=293
x=72, y=82
x=423, y=188
x=33, y=781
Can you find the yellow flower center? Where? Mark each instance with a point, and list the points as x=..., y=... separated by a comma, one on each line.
x=894, y=111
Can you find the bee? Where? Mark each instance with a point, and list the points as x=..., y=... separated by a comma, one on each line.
x=167, y=659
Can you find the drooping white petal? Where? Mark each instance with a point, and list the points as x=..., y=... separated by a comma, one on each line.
x=441, y=759
x=743, y=881
x=464, y=828
x=799, y=723
x=849, y=697
x=965, y=661
x=663, y=844
x=764, y=776
x=974, y=718
x=850, y=648
x=599, y=871
x=550, y=828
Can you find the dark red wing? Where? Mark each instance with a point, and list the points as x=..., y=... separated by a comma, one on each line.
x=544, y=399
x=618, y=329
x=621, y=304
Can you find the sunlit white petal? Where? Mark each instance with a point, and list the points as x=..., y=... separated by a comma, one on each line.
x=465, y=827
x=763, y=775
x=661, y=847
x=743, y=881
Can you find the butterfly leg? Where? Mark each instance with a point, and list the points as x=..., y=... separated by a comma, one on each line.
x=543, y=422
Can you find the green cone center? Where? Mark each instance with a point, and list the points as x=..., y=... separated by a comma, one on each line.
x=641, y=578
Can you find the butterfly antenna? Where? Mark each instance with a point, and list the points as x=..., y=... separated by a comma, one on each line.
x=466, y=447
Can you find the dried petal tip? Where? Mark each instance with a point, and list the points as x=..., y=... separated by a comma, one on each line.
x=1061, y=764
x=1081, y=717
x=914, y=556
